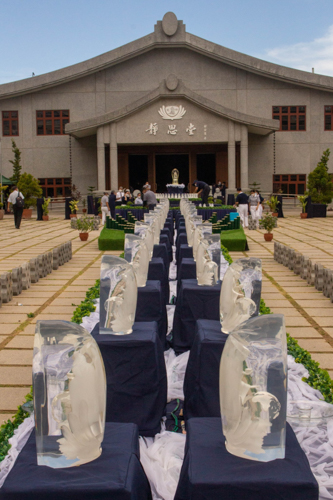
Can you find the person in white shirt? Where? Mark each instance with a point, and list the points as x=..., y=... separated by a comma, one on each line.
x=18, y=210
x=104, y=207
x=138, y=200
x=119, y=195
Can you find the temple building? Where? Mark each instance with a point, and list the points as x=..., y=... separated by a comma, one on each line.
x=168, y=100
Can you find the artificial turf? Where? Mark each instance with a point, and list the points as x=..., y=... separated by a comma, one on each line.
x=234, y=240
x=111, y=239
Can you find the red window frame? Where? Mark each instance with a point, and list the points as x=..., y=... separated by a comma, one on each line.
x=52, y=186
x=51, y=122
x=328, y=112
x=284, y=181
x=290, y=118
x=11, y=118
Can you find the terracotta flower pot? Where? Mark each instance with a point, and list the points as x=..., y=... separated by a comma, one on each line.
x=304, y=215
x=72, y=216
x=275, y=214
x=45, y=217
x=268, y=236
x=27, y=213
x=2, y=213
x=100, y=216
x=84, y=236
x=84, y=210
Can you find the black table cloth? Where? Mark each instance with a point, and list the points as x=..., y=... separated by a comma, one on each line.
x=161, y=250
x=166, y=240
x=175, y=190
x=193, y=302
x=67, y=207
x=117, y=474
x=166, y=231
x=187, y=271
x=201, y=383
x=180, y=240
x=209, y=472
x=231, y=199
x=136, y=377
x=185, y=252
x=157, y=271
x=39, y=207
x=151, y=307
x=220, y=212
x=137, y=213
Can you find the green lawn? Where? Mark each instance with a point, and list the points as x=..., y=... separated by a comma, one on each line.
x=111, y=239
x=234, y=240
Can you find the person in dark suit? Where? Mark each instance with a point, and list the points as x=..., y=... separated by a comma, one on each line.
x=203, y=190
x=242, y=201
x=112, y=204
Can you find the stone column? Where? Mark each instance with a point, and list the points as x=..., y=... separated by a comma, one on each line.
x=231, y=158
x=100, y=160
x=114, y=156
x=244, y=159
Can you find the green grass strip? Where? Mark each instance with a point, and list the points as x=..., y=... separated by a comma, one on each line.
x=111, y=239
x=234, y=240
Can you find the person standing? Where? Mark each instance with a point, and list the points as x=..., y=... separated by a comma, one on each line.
x=149, y=197
x=254, y=204
x=104, y=207
x=138, y=200
x=112, y=204
x=16, y=199
x=119, y=196
x=242, y=204
x=202, y=189
x=223, y=188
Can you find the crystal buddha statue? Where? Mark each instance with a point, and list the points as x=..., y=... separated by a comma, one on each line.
x=253, y=389
x=69, y=387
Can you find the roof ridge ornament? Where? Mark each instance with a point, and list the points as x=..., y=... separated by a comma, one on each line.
x=170, y=23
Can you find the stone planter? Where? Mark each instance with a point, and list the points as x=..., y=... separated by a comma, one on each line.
x=304, y=215
x=2, y=213
x=268, y=236
x=45, y=217
x=27, y=213
x=83, y=236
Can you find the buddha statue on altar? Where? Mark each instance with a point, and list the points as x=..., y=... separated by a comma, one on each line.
x=175, y=176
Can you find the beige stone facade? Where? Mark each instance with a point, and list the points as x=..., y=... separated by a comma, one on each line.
x=130, y=100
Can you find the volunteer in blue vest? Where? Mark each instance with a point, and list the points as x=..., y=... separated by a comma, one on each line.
x=242, y=201
x=203, y=190
x=17, y=205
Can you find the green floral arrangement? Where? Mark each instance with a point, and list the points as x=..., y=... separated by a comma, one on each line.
x=268, y=222
x=73, y=205
x=302, y=201
x=85, y=224
x=273, y=202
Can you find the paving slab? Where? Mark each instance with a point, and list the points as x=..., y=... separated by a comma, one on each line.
x=316, y=345
x=304, y=332
x=16, y=357
x=18, y=375
x=12, y=397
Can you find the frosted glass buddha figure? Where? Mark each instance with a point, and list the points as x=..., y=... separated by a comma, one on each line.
x=200, y=231
x=253, y=389
x=235, y=307
x=251, y=279
x=137, y=254
x=144, y=230
x=208, y=260
x=175, y=176
x=69, y=387
x=118, y=296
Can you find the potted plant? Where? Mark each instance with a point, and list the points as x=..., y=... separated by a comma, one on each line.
x=31, y=190
x=73, y=205
x=302, y=201
x=2, y=212
x=273, y=202
x=84, y=225
x=84, y=210
x=45, y=208
x=268, y=222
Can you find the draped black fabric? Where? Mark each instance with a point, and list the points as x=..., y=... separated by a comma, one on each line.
x=97, y=204
x=67, y=208
x=185, y=252
x=166, y=231
x=193, y=302
x=220, y=212
x=280, y=206
x=175, y=190
x=117, y=474
x=151, y=307
x=90, y=203
x=164, y=238
x=201, y=383
x=308, y=208
x=112, y=205
x=136, y=212
x=136, y=377
x=209, y=472
x=157, y=271
x=181, y=240
x=40, y=202
x=231, y=199
x=161, y=250
x=187, y=271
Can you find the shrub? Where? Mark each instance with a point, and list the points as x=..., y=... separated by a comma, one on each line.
x=320, y=186
x=85, y=224
x=17, y=167
x=268, y=222
x=45, y=206
x=30, y=188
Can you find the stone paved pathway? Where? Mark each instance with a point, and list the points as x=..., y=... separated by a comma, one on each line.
x=309, y=315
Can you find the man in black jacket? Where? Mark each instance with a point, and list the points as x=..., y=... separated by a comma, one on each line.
x=203, y=190
x=242, y=201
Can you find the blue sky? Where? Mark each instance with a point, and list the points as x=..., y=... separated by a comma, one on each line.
x=41, y=36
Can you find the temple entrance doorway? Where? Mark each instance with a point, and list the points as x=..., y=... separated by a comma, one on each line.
x=137, y=171
x=164, y=164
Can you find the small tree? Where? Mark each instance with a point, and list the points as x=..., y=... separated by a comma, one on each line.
x=319, y=185
x=17, y=167
x=30, y=188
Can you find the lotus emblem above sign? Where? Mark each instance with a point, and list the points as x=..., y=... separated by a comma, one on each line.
x=172, y=112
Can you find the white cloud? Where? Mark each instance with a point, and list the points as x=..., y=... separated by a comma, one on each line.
x=317, y=54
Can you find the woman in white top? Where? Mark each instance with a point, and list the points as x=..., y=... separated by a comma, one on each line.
x=254, y=204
